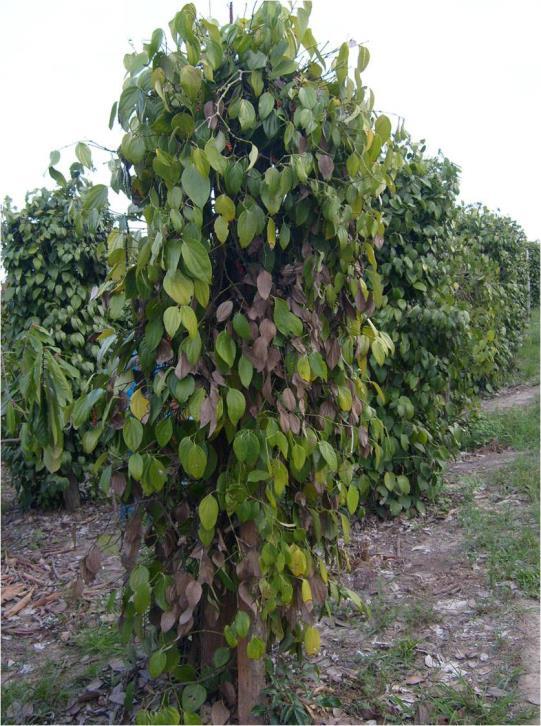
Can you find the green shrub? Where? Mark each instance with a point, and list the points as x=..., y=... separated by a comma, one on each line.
x=52, y=262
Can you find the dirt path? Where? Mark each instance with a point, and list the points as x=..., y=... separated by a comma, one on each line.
x=509, y=397
x=437, y=628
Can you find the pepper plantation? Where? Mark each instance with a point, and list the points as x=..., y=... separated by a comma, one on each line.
x=286, y=337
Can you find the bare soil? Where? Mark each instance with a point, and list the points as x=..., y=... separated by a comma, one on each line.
x=517, y=396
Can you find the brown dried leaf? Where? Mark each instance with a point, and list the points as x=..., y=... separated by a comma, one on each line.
x=168, y=619
x=193, y=593
x=326, y=165
x=264, y=284
x=267, y=329
x=219, y=713
x=288, y=399
x=224, y=311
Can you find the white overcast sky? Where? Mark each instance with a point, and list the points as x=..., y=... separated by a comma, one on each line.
x=465, y=75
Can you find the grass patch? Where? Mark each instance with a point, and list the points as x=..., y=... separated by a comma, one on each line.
x=514, y=427
x=507, y=537
x=47, y=696
x=59, y=682
x=461, y=704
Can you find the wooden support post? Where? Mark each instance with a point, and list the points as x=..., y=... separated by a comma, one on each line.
x=250, y=673
x=72, y=498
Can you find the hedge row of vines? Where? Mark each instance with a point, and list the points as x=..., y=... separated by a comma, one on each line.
x=52, y=261
x=311, y=313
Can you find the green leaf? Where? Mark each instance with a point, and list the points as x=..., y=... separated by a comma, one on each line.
x=298, y=456
x=236, y=405
x=246, y=227
x=329, y=454
x=252, y=156
x=196, y=186
x=156, y=663
x=90, y=439
x=84, y=405
x=247, y=117
x=256, y=648
x=193, y=697
x=307, y=96
x=241, y=623
x=197, y=261
x=208, y=511
x=95, y=197
x=352, y=499
x=221, y=657
x=82, y=152
x=246, y=447
x=196, y=461
x=246, y=371
x=172, y=319
x=178, y=287
x=135, y=466
x=54, y=158
x=286, y=322
x=141, y=598
x=241, y=326
x=163, y=431
x=221, y=229
x=383, y=128
x=266, y=104
x=132, y=433
x=189, y=320
x=190, y=80
x=226, y=348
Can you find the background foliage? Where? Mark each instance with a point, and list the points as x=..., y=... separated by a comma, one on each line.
x=533, y=263
x=52, y=261
x=491, y=270
x=423, y=381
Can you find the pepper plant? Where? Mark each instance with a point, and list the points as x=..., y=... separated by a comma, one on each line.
x=492, y=277
x=52, y=259
x=424, y=381
x=240, y=397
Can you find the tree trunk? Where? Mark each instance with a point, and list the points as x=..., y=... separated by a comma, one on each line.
x=212, y=636
x=72, y=499
x=251, y=673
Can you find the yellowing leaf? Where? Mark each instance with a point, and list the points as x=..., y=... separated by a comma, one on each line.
x=208, y=511
x=303, y=368
x=297, y=563
x=139, y=405
x=312, y=640
x=306, y=591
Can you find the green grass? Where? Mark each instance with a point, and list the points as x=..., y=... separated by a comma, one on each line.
x=507, y=536
x=514, y=427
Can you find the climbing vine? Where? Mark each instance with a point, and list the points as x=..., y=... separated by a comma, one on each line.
x=239, y=400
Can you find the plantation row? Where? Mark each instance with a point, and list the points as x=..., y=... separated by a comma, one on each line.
x=296, y=338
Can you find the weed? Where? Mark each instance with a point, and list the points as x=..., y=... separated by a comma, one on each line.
x=462, y=704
